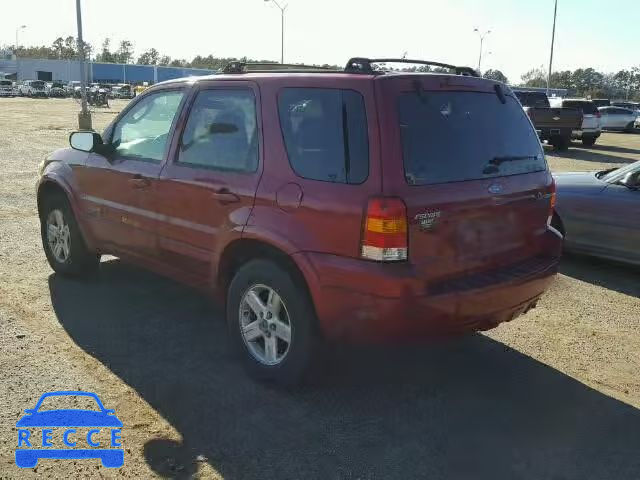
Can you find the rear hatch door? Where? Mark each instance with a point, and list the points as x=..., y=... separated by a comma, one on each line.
x=464, y=157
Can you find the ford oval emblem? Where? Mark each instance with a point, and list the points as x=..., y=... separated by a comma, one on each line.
x=495, y=188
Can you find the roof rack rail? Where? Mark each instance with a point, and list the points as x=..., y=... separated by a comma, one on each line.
x=363, y=65
x=246, y=67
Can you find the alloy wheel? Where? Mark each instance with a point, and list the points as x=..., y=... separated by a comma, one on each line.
x=265, y=325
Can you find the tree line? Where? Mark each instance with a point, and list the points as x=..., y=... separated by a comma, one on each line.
x=580, y=82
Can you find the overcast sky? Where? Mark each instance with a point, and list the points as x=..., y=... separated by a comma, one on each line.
x=595, y=33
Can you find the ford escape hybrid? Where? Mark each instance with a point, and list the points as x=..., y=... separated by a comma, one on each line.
x=361, y=204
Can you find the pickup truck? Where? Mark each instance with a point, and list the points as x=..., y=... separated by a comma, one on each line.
x=556, y=125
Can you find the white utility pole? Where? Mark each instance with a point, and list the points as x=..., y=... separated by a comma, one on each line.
x=553, y=39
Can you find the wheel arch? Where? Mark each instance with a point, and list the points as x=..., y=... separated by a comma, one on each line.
x=48, y=187
x=243, y=250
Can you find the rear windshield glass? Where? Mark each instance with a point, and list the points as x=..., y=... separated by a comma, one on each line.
x=533, y=99
x=588, y=108
x=325, y=133
x=458, y=136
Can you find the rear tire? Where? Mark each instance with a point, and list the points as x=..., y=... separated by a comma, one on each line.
x=62, y=240
x=588, y=141
x=287, y=313
x=561, y=144
x=630, y=128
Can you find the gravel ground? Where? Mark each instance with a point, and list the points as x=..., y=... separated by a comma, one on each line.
x=553, y=395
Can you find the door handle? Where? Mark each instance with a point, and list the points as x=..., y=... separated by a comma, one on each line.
x=139, y=182
x=225, y=196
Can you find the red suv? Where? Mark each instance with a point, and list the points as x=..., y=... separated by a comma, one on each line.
x=360, y=204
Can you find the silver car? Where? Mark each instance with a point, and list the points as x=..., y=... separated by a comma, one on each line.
x=617, y=118
x=599, y=212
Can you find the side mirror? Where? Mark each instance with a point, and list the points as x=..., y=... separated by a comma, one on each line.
x=84, y=141
x=631, y=180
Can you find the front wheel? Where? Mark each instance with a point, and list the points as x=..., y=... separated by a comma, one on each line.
x=64, y=246
x=272, y=322
x=630, y=128
x=588, y=141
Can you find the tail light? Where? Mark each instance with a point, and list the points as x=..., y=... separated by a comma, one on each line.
x=384, y=236
x=552, y=203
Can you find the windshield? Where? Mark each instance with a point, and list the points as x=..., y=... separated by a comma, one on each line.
x=533, y=99
x=37, y=84
x=459, y=136
x=587, y=108
x=618, y=174
x=5, y=83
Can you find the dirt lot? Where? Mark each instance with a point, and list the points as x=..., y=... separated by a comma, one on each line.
x=555, y=394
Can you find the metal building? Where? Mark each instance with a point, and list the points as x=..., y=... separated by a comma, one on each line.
x=69, y=70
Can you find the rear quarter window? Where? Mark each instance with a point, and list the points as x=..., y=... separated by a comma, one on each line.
x=325, y=133
x=459, y=136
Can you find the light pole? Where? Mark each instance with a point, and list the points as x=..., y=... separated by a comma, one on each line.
x=282, y=9
x=21, y=27
x=482, y=37
x=84, y=117
x=553, y=39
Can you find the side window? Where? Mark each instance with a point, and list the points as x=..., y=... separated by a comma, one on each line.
x=221, y=132
x=325, y=133
x=143, y=132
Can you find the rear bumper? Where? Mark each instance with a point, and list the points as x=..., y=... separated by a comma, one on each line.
x=547, y=133
x=586, y=133
x=359, y=301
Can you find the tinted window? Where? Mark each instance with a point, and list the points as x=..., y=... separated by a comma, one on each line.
x=325, y=133
x=533, y=99
x=588, y=108
x=457, y=136
x=221, y=131
x=144, y=130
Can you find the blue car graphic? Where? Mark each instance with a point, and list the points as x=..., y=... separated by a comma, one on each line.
x=110, y=457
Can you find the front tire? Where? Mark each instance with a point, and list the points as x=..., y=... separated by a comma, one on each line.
x=63, y=244
x=272, y=322
x=588, y=141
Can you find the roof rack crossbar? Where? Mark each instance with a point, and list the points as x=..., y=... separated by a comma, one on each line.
x=262, y=67
x=364, y=65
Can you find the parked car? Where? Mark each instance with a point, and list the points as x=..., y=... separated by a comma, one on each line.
x=555, y=125
x=617, y=118
x=600, y=212
x=32, y=88
x=266, y=189
x=122, y=90
x=590, y=130
x=6, y=88
x=56, y=89
x=637, y=123
x=73, y=89
x=601, y=102
x=635, y=106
